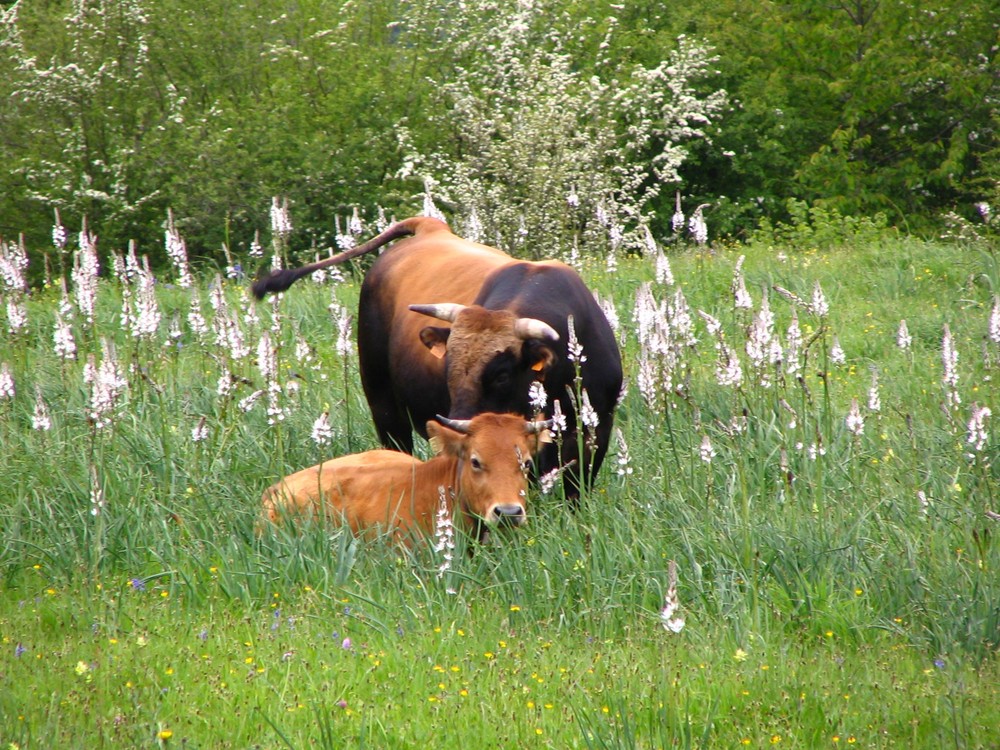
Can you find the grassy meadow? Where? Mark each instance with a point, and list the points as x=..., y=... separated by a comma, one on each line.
x=839, y=579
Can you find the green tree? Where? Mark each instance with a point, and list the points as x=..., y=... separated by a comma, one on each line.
x=862, y=106
x=125, y=108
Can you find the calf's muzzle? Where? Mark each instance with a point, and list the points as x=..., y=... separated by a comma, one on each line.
x=508, y=513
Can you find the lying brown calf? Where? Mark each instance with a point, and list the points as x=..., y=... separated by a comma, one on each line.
x=480, y=467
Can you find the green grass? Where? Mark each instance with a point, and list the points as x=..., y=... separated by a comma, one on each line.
x=227, y=675
x=825, y=604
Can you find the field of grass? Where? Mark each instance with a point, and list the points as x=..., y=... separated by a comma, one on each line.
x=838, y=587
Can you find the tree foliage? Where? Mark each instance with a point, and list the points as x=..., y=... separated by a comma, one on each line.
x=125, y=108
x=862, y=106
x=118, y=110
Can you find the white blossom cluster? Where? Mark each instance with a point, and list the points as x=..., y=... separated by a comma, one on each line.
x=59, y=234
x=728, y=369
x=762, y=347
x=322, y=432
x=107, y=385
x=978, y=435
x=85, y=270
x=267, y=364
x=949, y=369
x=177, y=252
x=17, y=313
x=13, y=264
x=7, y=388
x=670, y=616
x=342, y=320
x=741, y=297
x=444, y=533
x=665, y=329
x=854, y=421
x=537, y=397
x=40, y=418
x=874, y=398
x=903, y=337
x=281, y=221
x=96, y=494
x=622, y=457
x=145, y=322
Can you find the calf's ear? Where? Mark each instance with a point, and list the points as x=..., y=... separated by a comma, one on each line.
x=536, y=441
x=435, y=338
x=443, y=439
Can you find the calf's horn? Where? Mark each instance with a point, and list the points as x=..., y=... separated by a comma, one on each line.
x=533, y=428
x=444, y=311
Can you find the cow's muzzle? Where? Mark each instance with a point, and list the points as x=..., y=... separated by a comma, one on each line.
x=510, y=514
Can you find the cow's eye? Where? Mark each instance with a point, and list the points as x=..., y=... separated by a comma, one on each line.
x=476, y=464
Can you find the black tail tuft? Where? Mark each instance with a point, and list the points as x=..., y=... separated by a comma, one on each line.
x=279, y=281
x=276, y=281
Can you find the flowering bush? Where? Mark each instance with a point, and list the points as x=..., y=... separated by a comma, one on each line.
x=541, y=157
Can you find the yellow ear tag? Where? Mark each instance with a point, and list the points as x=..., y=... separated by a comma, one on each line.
x=439, y=350
x=538, y=366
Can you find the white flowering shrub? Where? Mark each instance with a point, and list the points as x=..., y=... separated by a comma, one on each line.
x=89, y=92
x=536, y=155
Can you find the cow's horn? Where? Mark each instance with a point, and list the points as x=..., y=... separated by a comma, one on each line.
x=444, y=311
x=530, y=328
x=533, y=428
x=458, y=425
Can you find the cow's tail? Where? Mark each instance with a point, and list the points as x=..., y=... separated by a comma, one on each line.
x=279, y=281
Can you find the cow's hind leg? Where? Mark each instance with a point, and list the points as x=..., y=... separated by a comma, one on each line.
x=391, y=420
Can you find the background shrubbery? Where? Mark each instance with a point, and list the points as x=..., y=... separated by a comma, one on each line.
x=120, y=109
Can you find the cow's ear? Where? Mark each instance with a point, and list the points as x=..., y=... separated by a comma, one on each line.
x=539, y=439
x=442, y=439
x=435, y=339
x=538, y=356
